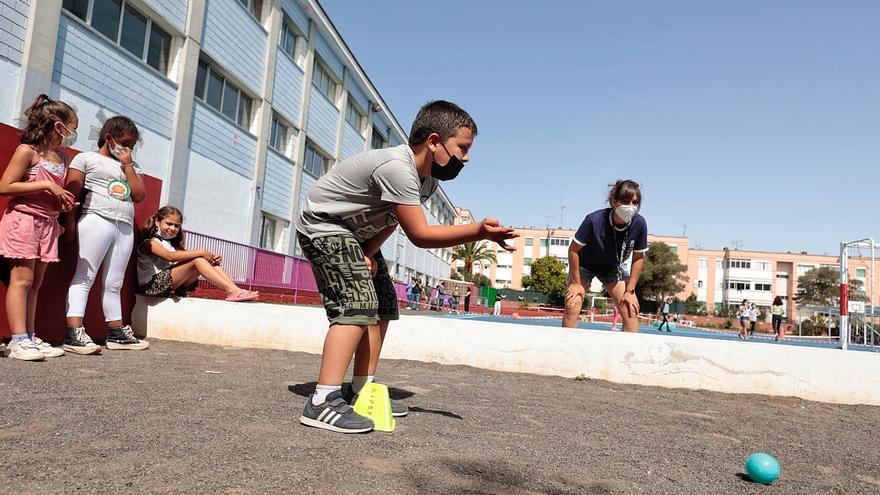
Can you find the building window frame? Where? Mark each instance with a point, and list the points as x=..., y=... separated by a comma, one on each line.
x=279, y=134
x=254, y=8
x=354, y=116
x=377, y=140
x=158, y=60
x=324, y=80
x=315, y=163
x=243, y=111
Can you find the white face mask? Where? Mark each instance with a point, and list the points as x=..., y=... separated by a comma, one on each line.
x=626, y=212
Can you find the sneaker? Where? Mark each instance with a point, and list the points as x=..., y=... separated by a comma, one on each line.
x=123, y=338
x=78, y=341
x=398, y=409
x=46, y=348
x=334, y=415
x=25, y=350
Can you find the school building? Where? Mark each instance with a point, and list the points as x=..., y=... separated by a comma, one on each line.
x=241, y=104
x=719, y=278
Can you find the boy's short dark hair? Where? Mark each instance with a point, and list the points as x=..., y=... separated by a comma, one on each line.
x=443, y=117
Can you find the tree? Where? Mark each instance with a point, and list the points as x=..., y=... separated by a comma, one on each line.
x=548, y=277
x=477, y=279
x=473, y=252
x=694, y=307
x=821, y=287
x=662, y=274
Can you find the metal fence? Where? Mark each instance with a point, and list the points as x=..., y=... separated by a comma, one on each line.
x=254, y=267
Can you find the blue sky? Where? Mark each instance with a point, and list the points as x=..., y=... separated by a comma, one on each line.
x=752, y=122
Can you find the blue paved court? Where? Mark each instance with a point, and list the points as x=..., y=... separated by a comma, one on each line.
x=678, y=332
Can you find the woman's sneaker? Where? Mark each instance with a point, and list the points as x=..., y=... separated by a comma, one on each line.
x=123, y=338
x=398, y=409
x=25, y=350
x=46, y=348
x=78, y=341
x=334, y=415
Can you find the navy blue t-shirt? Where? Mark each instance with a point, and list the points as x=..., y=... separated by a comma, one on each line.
x=605, y=247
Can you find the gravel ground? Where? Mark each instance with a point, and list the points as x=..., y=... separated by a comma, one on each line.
x=187, y=418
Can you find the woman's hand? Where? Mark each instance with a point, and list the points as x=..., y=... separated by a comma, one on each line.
x=630, y=304
x=574, y=291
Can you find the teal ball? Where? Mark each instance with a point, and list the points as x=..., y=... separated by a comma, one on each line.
x=763, y=468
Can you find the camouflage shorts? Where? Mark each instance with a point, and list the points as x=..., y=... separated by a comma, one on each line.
x=350, y=295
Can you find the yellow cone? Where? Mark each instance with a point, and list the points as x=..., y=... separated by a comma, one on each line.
x=374, y=402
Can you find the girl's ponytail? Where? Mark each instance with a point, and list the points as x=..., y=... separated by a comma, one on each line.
x=41, y=117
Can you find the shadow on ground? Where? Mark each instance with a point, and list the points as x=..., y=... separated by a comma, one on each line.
x=306, y=389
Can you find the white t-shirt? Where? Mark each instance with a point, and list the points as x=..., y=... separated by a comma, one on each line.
x=149, y=265
x=109, y=194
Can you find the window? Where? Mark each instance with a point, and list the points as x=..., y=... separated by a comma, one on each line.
x=288, y=40
x=762, y=287
x=314, y=163
x=559, y=242
x=803, y=269
x=674, y=249
x=861, y=273
x=735, y=263
x=323, y=81
x=543, y=242
x=529, y=241
x=739, y=285
x=127, y=27
x=378, y=141
x=267, y=233
x=527, y=261
x=224, y=96
x=764, y=266
x=699, y=284
x=782, y=275
x=354, y=116
x=253, y=6
x=704, y=263
x=278, y=135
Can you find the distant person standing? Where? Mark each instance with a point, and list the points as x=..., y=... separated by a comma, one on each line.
x=496, y=309
x=753, y=318
x=467, y=300
x=744, y=315
x=441, y=296
x=665, y=313
x=777, y=310
x=456, y=298
x=415, y=303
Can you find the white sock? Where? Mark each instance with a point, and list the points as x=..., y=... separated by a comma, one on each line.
x=321, y=393
x=358, y=382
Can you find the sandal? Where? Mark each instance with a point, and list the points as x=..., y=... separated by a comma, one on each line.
x=243, y=295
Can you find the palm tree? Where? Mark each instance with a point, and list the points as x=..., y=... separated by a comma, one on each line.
x=473, y=252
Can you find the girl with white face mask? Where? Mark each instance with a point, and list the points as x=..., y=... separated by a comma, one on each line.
x=601, y=248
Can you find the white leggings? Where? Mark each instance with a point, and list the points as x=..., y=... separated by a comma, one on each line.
x=101, y=242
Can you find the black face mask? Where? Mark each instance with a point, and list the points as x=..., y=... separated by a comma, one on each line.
x=448, y=171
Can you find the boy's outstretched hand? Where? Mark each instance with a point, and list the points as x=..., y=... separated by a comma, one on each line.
x=491, y=229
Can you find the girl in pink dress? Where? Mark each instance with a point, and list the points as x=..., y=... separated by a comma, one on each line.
x=29, y=229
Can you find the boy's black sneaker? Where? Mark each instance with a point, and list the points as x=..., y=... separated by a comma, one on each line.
x=123, y=338
x=334, y=415
x=78, y=341
x=398, y=409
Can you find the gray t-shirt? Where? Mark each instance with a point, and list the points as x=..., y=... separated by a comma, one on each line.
x=357, y=195
x=109, y=195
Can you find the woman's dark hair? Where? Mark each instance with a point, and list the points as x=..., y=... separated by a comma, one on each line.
x=151, y=226
x=443, y=117
x=41, y=117
x=117, y=126
x=777, y=301
x=624, y=190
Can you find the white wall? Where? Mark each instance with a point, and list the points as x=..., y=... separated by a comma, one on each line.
x=214, y=200
x=825, y=375
x=9, y=73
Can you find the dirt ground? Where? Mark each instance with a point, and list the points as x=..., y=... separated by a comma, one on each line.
x=187, y=418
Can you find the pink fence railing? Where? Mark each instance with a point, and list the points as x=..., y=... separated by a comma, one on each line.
x=255, y=267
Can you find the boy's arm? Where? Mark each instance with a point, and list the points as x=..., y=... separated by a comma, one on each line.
x=412, y=220
x=372, y=246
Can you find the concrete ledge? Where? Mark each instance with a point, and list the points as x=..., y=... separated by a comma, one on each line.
x=825, y=375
